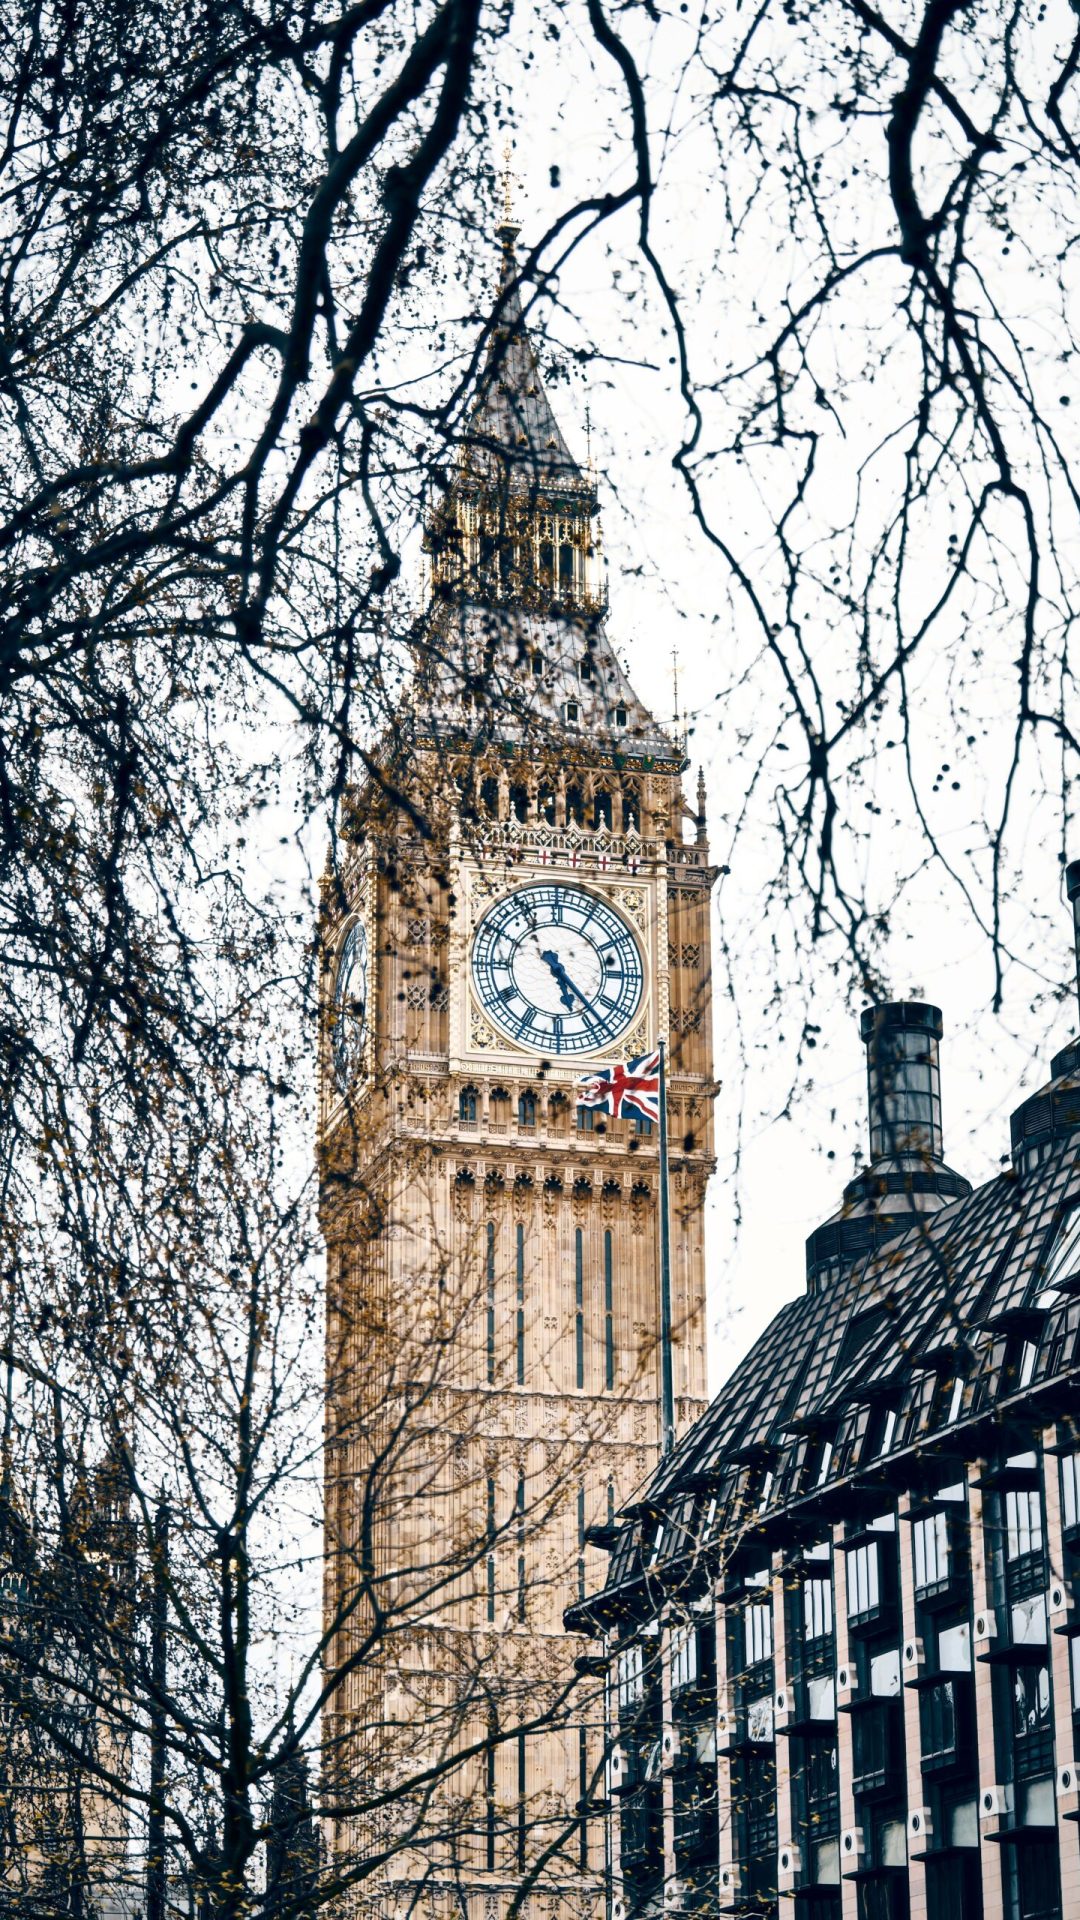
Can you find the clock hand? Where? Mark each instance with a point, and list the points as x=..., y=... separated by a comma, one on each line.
x=567, y=990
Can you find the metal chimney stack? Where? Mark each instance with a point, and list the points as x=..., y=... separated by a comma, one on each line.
x=903, y=1077
x=1072, y=888
x=906, y=1178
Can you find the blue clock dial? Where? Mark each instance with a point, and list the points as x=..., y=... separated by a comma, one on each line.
x=557, y=970
x=348, y=1007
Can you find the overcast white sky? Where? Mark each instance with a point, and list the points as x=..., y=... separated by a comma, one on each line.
x=670, y=590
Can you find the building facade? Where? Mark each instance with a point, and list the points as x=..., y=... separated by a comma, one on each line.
x=841, y=1629
x=524, y=892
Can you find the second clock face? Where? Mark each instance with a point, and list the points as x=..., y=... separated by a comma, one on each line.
x=557, y=970
x=348, y=1013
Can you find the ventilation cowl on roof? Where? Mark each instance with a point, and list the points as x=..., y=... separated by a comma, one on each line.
x=907, y=1176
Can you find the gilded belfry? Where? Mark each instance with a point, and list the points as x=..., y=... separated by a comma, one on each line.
x=524, y=896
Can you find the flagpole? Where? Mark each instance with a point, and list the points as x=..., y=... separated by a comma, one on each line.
x=667, y=1388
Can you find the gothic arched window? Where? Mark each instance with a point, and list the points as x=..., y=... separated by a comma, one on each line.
x=601, y=809
x=468, y=1106
x=527, y=1109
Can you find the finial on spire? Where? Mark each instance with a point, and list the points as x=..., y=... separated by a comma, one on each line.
x=508, y=228
x=675, y=683
x=701, y=806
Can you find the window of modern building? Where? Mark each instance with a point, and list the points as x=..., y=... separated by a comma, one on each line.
x=822, y=1782
x=884, y=1673
x=1027, y=1617
x=863, y=1582
x=825, y=1865
x=953, y=1878
x=820, y=1696
x=757, y=1628
x=1029, y=1353
x=1038, y=1887
x=630, y=1677
x=1032, y=1729
x=873, y=1754
x=914, y=1413
x=684, y=1658
x=1063, y=1262
x=757, y=1796
x=930, y=1544
x=1070, y=1491
x=817, y=1609
x=1023, y=1523
x=760, y=1726
x=850, y=1440
x=954, y=1648
x=938, y=1716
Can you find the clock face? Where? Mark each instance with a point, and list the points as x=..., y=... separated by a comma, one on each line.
x=348, y=1009
x=557, y=970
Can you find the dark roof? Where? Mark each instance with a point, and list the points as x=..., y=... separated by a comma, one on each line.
x=513, y=430
x=480, y=661
x=941, y=1301
x=516, y=659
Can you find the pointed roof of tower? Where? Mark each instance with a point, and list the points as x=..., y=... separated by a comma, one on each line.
x=513, y=641
x=513, y=429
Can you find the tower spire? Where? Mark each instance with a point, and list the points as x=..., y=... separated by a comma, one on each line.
x=518, y=524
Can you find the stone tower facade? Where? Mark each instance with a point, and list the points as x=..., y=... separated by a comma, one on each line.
x=525, y=894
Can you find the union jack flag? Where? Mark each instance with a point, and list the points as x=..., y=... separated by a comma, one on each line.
x=630, y=1091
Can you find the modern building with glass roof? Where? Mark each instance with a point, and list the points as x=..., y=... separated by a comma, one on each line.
x=840, y=1631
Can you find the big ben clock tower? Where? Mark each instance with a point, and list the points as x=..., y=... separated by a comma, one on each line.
x=525, y=895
